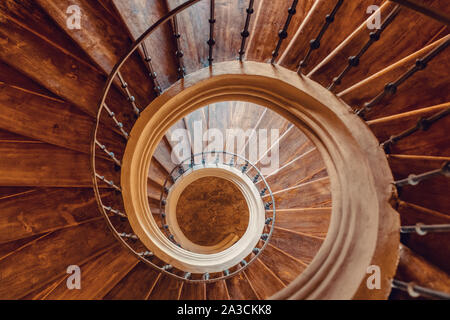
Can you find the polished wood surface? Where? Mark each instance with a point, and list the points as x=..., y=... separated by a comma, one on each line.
x=212, y=209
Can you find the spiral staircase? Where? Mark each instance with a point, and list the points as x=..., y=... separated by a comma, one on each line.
x=88, y=174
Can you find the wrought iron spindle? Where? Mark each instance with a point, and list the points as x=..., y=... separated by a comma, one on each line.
x=179, y=53
x=118, y=124
x=391, y=88
x=146, y=254
x=414, y=179
x=108, y=182
x=109, y=153
x=130, y=97
x=416, y=291
x=314, y=44
x=245, y=33
x=212, y=20
x=114, y=211
x=374, y=36
x=130, y=236
x=422, y=229
x=153, y=74
x=422, y=124
x=282, y=34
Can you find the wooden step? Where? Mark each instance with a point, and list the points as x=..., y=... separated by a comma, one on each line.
x=291, y=145
x=98, y=276
x=65, y=75
x=167, y=288
x=305, y=168
x=163, y=154
x=313, y=221
x=51, y=121
x=138, y=17
x=239, y=288
x=39, y=164
x=431, y=245
x=284, y=266
x=301, y=246
x=262, y=279
x=400, y=41
x=432, y=193
x=427, y=87
x=32, y=17
x=217, y=291
x=336, y=33
x=105, y=40
x=413, y=268
x=313, y=194
x=193, y=27
x=433, y=141
x=178, y=138
x=47, y=258
x=46, y=210
x=193, y=291
x=269, y=19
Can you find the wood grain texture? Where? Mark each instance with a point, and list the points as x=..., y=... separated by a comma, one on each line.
x=269, y=22
x=430, y=246
x=313, y=221
x=313, y=194
x=305, y=167
x=397, y=37
x=138, y=16
x=263, y=280
x=45, y=210
x=167, y=288
x=217, y=291
x=240, y=289
x=299, y=246
x=212, y=209
x=433, y=141
x=50, y=121
x=194, y=30
x=30, y=164
x=193, y=291
x=47, y=258
x=413, y=267
x=431, y=194
x=337, y=32
x=424, y=88
x=98, y=276
x=283, y=266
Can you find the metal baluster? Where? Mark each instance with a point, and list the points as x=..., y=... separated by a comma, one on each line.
x=314, y=44
x=118, y=124
x=114, y=211
x=422, y=229
x=187, y=275
x=226, y=272
x=243, y=263
x=416, y=291
x=245, y=167
x=146, y=254
x=263, y=191
x=167, y=267
x=265, y=236
x=179, y=53
x=245, y=33
x=414, y=179
x=256, y=178
x=206, y=276
x=211, y=42
x=267, y=205
x=256, y=250
x=130, y=98
x=422, y=124
x=110, y=154
x=391, y=88
x=353, y=61
x=128, y=236
x=282, y=34
x=110, y=183
x=153, y=74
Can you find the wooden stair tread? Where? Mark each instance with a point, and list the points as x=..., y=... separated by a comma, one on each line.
x=400, y=41
x=167, y=288
x=263, y=280
x=99, y=276
x=313, y=221
x=47, y=258
x=193, y=291
x=217, y=291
